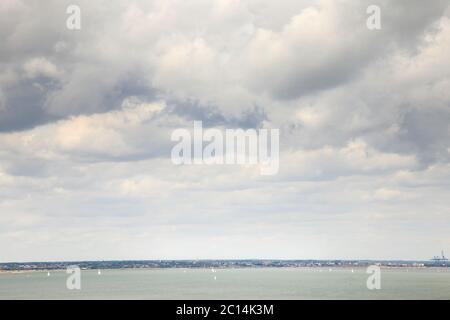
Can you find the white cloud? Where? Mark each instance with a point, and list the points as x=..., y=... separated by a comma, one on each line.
x=41, y=67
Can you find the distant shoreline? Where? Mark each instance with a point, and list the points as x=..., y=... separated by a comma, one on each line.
x=15, y=267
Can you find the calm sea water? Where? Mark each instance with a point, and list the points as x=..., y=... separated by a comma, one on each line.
x=298, y=283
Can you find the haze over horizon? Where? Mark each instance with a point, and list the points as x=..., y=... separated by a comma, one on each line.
x=86, y=118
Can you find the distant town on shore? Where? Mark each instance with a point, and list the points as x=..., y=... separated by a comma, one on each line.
x=142, y=264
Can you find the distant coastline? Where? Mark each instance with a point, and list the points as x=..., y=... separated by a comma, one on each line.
x=15, y=267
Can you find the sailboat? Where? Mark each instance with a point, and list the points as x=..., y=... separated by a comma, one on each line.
x=48, y=274
x=99, y=272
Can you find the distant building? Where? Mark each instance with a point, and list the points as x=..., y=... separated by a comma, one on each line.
x=438, y=259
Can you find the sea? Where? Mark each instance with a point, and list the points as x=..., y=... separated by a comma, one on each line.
x=249, y=283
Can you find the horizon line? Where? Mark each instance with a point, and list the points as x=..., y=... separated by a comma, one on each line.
x=219, y=259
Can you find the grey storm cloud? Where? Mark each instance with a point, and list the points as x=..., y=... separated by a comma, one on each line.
x=86, y=118
x=426, y=132
x=211, y=116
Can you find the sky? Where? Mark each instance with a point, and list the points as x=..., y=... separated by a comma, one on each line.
x=86, y=118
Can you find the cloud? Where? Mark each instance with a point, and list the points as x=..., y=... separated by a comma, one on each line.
x=131, y=133
x=41, y=67
x=328, y=44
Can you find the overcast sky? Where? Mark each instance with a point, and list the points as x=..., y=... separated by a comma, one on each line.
x=86, y=117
